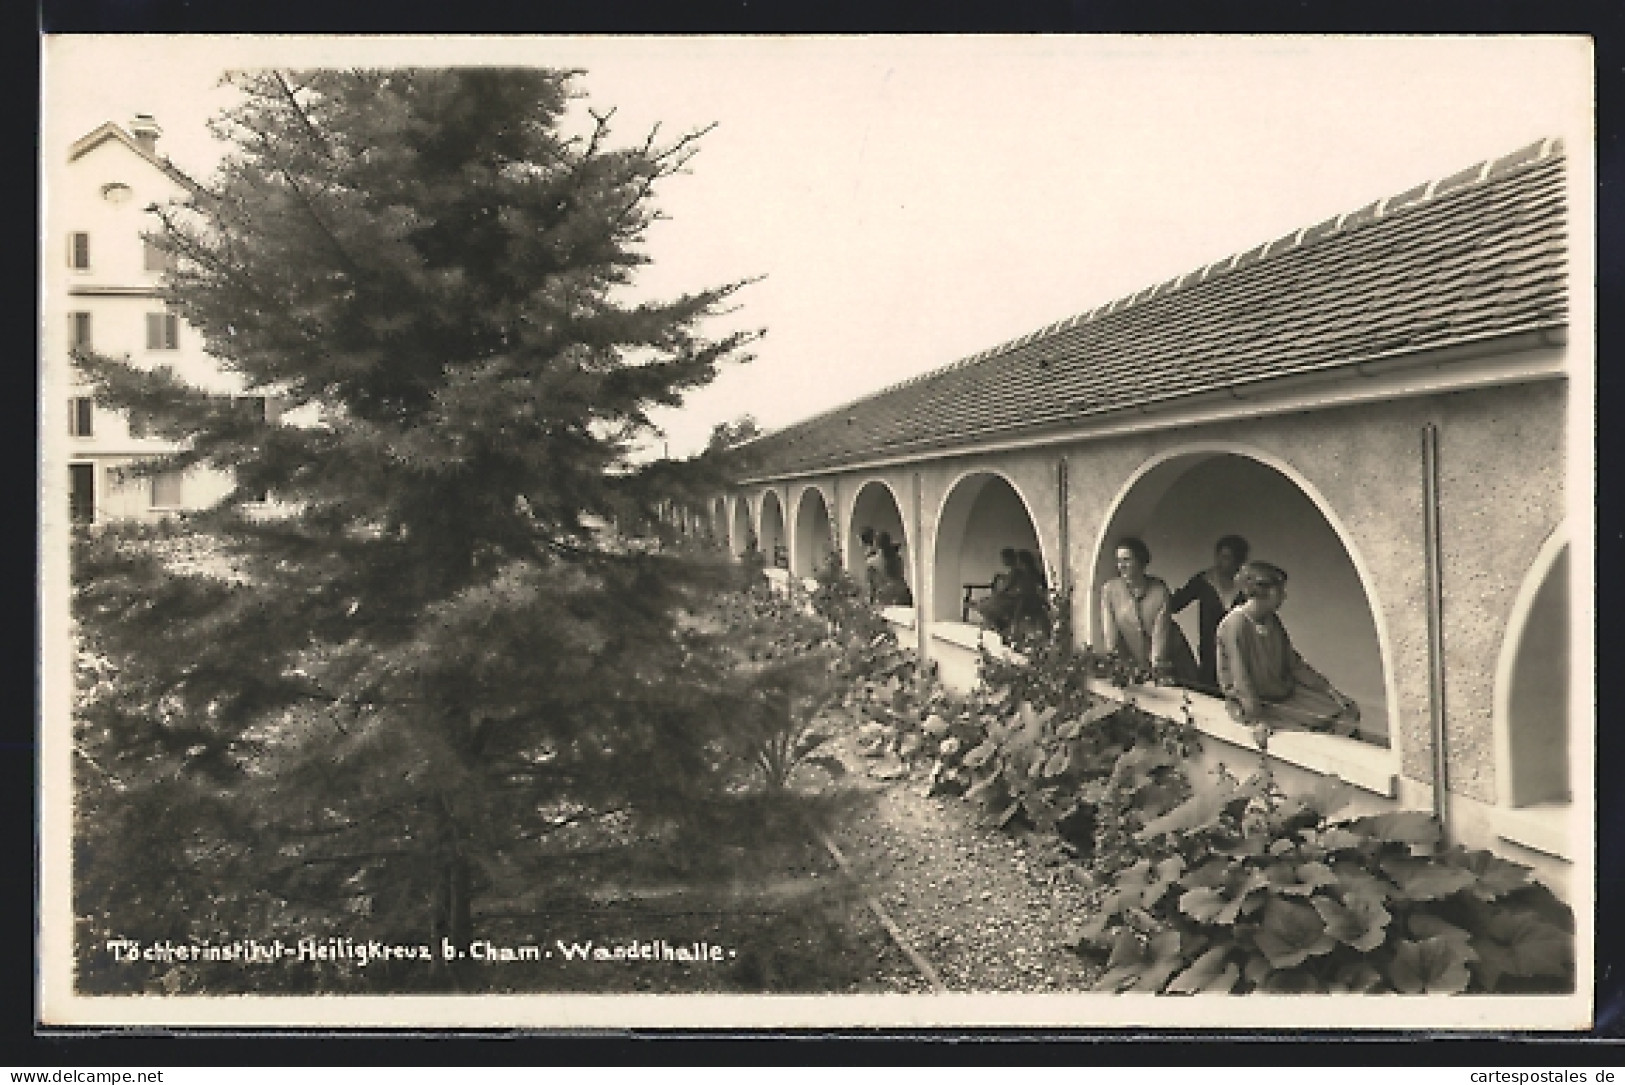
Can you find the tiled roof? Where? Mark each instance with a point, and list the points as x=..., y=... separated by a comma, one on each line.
x=110, y=131
x=1476, y=255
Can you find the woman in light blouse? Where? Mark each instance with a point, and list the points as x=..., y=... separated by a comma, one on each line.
x=1135, y=619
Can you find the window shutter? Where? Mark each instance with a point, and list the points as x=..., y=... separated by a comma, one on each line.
x=166, y=490
x=153, y=257
x=163, y=331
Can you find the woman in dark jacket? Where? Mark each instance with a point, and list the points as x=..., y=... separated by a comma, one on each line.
x=1216, y=592
x=893, y=590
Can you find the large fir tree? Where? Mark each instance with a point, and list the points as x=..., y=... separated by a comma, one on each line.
x=355, y=712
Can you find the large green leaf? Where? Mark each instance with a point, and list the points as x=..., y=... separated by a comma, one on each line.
x=1359, y=978
x=1520, y=943
x=980, y=755
x=1142, y=920
x=1431, y=966
x=1257, y=970
x=1291, y=933
x=1116, y=900
x=1128, y=959
x=1425, y=925
x=1299, y=880
x=1208, y=974
x=1292, y=981
x=1399, y=827
x=1138, y=763
x=1360, y=921
x=1164, y=875
x=1200, y=811
x=1426, y=879
x=1210, y=875
x=1032, y=721
x=1496, y=876
x=990, y=792
x=1336, y=838
x=1352, y=877
x=1223, y=904
x=1134, y=876
x=1206, y=904
x=1091, y=932
x=1163, y=959
x=1057, y=764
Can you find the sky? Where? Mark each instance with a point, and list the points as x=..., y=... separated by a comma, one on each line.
x=907, y=201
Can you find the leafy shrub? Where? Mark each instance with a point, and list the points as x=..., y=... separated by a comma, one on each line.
x=1241, y=889
x=1092, y=777
x=775, y=735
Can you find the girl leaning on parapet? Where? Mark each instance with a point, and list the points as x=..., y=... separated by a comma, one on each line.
x=1267, y=684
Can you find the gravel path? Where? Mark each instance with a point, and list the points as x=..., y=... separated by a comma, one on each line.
x=987, y=908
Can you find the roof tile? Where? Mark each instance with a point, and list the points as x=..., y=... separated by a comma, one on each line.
x=1482, y=255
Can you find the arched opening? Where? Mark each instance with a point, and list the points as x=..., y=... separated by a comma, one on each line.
x=876, y=508
x=815, y=539
x=1181, y=505
x=1533, y=698
x=774, y=545
x=982, y=515
x=741, y=538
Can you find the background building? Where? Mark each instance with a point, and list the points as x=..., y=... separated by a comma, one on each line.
x=102, y=286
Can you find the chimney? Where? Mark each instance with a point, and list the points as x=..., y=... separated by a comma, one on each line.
x=146, y=132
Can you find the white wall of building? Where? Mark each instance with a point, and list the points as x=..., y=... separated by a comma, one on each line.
x=106, y=192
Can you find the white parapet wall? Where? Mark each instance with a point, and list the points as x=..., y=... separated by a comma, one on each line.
x=1539, y=838
x=778, y=580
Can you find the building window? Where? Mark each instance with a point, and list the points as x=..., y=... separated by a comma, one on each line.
x=166, y=490
x=153, y=258
x=82, y=493
x=81, y=416
x=79, y=331
x=163, y=331
x=79, y=251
